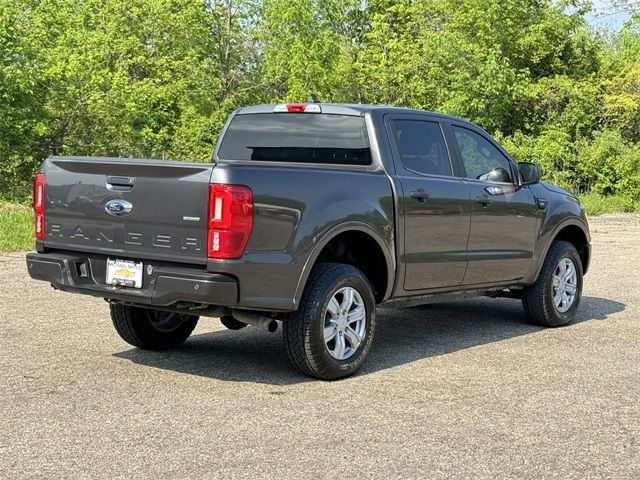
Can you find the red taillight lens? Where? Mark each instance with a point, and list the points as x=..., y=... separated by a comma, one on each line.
x=38, y=205
x=230, y=220
x=298, y=108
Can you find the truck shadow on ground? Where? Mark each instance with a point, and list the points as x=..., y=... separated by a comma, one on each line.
x=402, y=336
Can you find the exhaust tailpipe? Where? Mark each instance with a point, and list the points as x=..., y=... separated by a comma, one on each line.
x=256, y=320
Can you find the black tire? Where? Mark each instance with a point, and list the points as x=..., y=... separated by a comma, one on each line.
x=537, y=299
x=151, y=329
x=303, y=330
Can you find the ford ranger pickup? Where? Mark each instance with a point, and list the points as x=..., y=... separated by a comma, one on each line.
x=309, y=216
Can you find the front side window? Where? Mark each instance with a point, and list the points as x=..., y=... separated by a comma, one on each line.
x=481, y=159
x=421, y=146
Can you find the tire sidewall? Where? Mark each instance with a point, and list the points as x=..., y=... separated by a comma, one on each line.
x=341, y=368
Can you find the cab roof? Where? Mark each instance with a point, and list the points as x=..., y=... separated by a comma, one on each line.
x=356, y=109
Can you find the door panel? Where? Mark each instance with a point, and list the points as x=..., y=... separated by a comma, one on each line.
x=502, y=235
x=434, y=204
x=504, y=216
x=436, y=232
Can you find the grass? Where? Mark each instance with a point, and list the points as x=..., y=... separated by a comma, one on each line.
x=597, y=204
x=16, y=227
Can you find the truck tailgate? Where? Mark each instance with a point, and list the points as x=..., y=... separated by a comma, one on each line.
x=127, y=208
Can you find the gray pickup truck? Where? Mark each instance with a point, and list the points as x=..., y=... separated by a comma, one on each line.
x=310, y=215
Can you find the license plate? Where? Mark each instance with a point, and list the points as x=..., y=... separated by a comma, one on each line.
x=126, y=273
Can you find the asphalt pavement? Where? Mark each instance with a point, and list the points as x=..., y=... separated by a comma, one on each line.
x=459, y=390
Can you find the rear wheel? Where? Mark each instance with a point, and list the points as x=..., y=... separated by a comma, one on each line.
x=330, y=335
x=151, y=329
x=552, y=301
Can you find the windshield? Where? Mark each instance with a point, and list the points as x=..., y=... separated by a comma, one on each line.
x=297, y=137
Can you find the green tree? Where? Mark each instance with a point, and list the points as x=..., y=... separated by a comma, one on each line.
x=308, y=49
x=158, y=78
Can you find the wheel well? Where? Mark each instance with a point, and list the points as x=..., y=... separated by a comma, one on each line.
x=575, y=235
x=363, y=252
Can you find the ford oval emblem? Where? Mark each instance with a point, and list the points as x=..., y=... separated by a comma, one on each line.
x=118, y=207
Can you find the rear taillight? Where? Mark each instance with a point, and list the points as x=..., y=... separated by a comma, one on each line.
x=230, y=220
x=38, y=205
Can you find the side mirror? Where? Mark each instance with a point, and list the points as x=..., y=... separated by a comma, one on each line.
x=530, y=172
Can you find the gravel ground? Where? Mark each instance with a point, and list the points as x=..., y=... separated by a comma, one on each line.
x=465, y=389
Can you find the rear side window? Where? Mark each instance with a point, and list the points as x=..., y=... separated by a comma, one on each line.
x=297, y=137
x=421, y=146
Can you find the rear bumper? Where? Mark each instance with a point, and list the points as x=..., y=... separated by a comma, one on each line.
x=162, y=285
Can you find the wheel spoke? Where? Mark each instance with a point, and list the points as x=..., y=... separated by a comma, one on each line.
x=565, y=300
x=570, y=289
x=340, y=347
x=329, y=332
x=347, y=300
x=333, y=308
x=356, y=314
x=569, y=271
x=353, y=337
x=556, y=281
x=557, y=298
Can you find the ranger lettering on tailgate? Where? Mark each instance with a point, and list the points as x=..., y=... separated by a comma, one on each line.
x=123, y=236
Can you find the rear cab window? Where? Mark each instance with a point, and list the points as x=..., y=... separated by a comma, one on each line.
x=297, y=138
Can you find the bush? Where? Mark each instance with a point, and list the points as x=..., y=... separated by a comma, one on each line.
x=602, y=166
x=595, y=204
x=552, y=150
x=609, y=166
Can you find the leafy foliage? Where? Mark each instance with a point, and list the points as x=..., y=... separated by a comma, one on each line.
x=157, y=78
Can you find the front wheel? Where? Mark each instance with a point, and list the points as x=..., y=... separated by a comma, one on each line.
x=553, y=299
x=330, y=335
x=151, y=329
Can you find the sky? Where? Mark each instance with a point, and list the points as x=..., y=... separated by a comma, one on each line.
x=607, y=16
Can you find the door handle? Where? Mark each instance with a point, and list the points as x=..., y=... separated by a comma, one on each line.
x=419, y=195
x=484, y=201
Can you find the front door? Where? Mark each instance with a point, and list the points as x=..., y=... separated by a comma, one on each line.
x=504, y=216
x=434, y=204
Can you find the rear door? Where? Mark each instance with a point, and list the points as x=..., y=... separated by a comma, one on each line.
x=434, y=204
x=504, y=216
x=128, y=208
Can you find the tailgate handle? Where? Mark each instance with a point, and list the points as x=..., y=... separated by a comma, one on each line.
x=126, y=182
